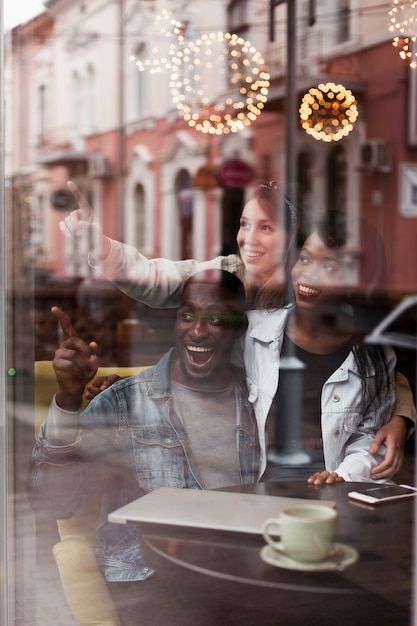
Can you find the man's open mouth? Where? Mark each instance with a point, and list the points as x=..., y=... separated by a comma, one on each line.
x=199, y=355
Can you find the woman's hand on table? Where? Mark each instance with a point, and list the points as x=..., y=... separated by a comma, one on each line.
x=393, y=436
x=324, y=478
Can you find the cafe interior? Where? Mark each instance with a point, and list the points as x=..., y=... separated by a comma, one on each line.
x=173, y=120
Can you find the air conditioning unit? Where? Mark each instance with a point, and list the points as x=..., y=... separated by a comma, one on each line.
x=374, y=156
x=99, y=166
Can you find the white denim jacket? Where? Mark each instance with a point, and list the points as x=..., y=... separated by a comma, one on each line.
x=348, y=424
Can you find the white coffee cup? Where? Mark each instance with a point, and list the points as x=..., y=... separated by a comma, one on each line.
x=307, y=532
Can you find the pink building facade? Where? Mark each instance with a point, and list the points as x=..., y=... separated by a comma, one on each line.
x=115, y=131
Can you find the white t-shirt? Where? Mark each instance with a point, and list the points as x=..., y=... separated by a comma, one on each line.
x=210, y=417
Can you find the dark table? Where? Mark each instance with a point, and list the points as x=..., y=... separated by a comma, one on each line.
x=223, y=573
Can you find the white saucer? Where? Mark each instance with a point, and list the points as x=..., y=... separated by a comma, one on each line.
x=280, y=559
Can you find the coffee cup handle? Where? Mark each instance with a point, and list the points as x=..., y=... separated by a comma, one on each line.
x=267, y=524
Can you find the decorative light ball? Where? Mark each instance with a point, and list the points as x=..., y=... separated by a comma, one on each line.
x=207, y=73
x=403, y=24
x=164, y=38
x=328, y=112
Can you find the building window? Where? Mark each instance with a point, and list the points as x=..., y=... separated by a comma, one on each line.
x=232, y=205
x=237, y=17
x=90, y=99
x=77, y=100
x=141, y=82
x=238, y=23
x=184, y=195
x=140, y=217
x=84, y=100
x=337, y=169
x=344, y=21
x=304, y=190
x=39, y=231
x=42, y=116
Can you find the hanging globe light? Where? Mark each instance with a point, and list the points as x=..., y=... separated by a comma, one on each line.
x=163, y=40
x=403, y=24
x=217, y=63
x=328, y=112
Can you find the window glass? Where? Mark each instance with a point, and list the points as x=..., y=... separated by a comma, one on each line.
x=120, y=182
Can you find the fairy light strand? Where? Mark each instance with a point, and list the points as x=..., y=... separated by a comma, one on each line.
x=328, y=112
x=212, y=64
x=403, y=24
x=167, y=34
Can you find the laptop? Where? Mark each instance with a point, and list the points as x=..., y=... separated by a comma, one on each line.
x=217, y=510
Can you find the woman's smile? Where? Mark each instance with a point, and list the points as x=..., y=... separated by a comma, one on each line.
x=308, y=292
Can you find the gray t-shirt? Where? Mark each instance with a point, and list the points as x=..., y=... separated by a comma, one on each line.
x=210, y=417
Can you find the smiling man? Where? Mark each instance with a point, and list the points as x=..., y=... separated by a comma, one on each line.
x=209, y=320
x=184, y=423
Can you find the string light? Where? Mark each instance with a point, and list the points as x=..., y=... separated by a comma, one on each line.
x=212, y=64
x=403, y=22
x=165, y=36
x=328, y=112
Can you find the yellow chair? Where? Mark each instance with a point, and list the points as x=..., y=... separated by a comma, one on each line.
x=82, y=580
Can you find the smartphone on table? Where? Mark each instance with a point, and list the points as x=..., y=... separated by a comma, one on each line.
x=383, y=493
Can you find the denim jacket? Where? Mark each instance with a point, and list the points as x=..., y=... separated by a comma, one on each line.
x=348, y=422
x=132, y=442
